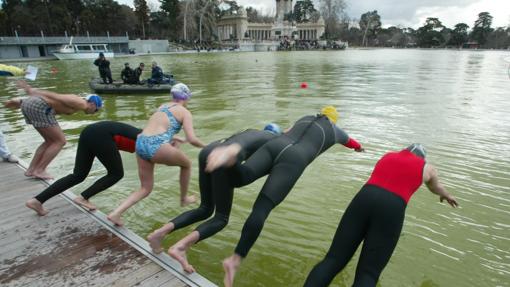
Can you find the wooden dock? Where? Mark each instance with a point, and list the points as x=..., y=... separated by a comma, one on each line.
x=73, y=247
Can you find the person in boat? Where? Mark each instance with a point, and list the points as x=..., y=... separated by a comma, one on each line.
x=104, y=69
x=376, y=215
x=138, y=73
x=39, y=110
x=158, y=77
x=127, y=74
x=284, y=159
x=101, y=140
x=157, y=144
x=216, y=194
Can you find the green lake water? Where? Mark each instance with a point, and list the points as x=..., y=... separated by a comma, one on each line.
x=456, y=103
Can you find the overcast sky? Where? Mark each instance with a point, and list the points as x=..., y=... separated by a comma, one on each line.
x=407, y=13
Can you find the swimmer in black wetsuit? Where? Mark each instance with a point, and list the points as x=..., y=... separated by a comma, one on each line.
x=102, y=140
x=216, y=192
x=284, y=159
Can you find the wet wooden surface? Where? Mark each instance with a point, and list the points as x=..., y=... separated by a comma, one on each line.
x=66, y=247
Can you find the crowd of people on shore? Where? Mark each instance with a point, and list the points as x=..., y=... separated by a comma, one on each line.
x=132, y=76
x=375, y=215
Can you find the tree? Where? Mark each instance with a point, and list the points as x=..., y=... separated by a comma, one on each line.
x=252, y=14
x=370, y=24
x=142, y=13
x=3, y=23
x=173, y=10
x=482, y=28
x=303, y=11
x=429, y=35
x=332, y=11
x=499, y=39
x=233, y=8
x=459, y=35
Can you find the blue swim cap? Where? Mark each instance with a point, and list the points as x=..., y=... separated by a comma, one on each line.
x=417, y=149
x=180, y=92
x=93, y=98
x=274, y=128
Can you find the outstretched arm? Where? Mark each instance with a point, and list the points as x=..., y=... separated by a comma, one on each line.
x=72, y=101
x=13, y=103
x=431, y=179
x=344, y=139
x=187, y=125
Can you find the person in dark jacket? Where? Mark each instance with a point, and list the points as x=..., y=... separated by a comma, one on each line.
x=158, y=77
x=127, y=74
x=137, y=73
x=104, y=68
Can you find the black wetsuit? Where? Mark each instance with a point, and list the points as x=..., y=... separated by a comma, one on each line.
x=104, y=70
x=216, y=191
x=102, y=140
x=284, y=159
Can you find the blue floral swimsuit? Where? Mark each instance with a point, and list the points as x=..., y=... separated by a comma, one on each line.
x=147, y=146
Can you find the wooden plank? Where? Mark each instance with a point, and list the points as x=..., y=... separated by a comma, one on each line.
x=160, y=279
x=71, y=247
x=136, y=276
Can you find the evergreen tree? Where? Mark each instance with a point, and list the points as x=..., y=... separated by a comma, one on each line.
x=142, y=13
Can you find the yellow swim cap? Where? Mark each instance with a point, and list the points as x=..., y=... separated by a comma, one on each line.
x=331, y=113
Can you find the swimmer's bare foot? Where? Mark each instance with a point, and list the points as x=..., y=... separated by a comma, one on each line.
x=29, y=173
x=84, y=203
x=179, y=253
x=35, y=205
x=155, y=239
x=42, y=175
x=222, y=156
x=115, y=219
x=188, y=200
x=230, y=265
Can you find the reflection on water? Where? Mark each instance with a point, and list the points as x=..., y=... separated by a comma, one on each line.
x=454, y=102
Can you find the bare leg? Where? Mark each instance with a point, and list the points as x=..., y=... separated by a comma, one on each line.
x=157, y=236
x=178, y=250
x=36, y=159
x=36, y=206
x=84, y=203
x=169, y=155
x=230, y=265
x=184, y=177
x=146, y=174
x=55, y=140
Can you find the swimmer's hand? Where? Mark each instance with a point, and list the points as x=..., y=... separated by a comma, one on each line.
x=177, y=141
x=222, y=156
x=13, y=103
x=450, y=199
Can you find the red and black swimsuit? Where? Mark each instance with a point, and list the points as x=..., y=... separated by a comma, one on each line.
x=102, y=140
x=375, y=216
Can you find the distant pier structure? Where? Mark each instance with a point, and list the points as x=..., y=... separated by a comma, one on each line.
x=41, y=47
